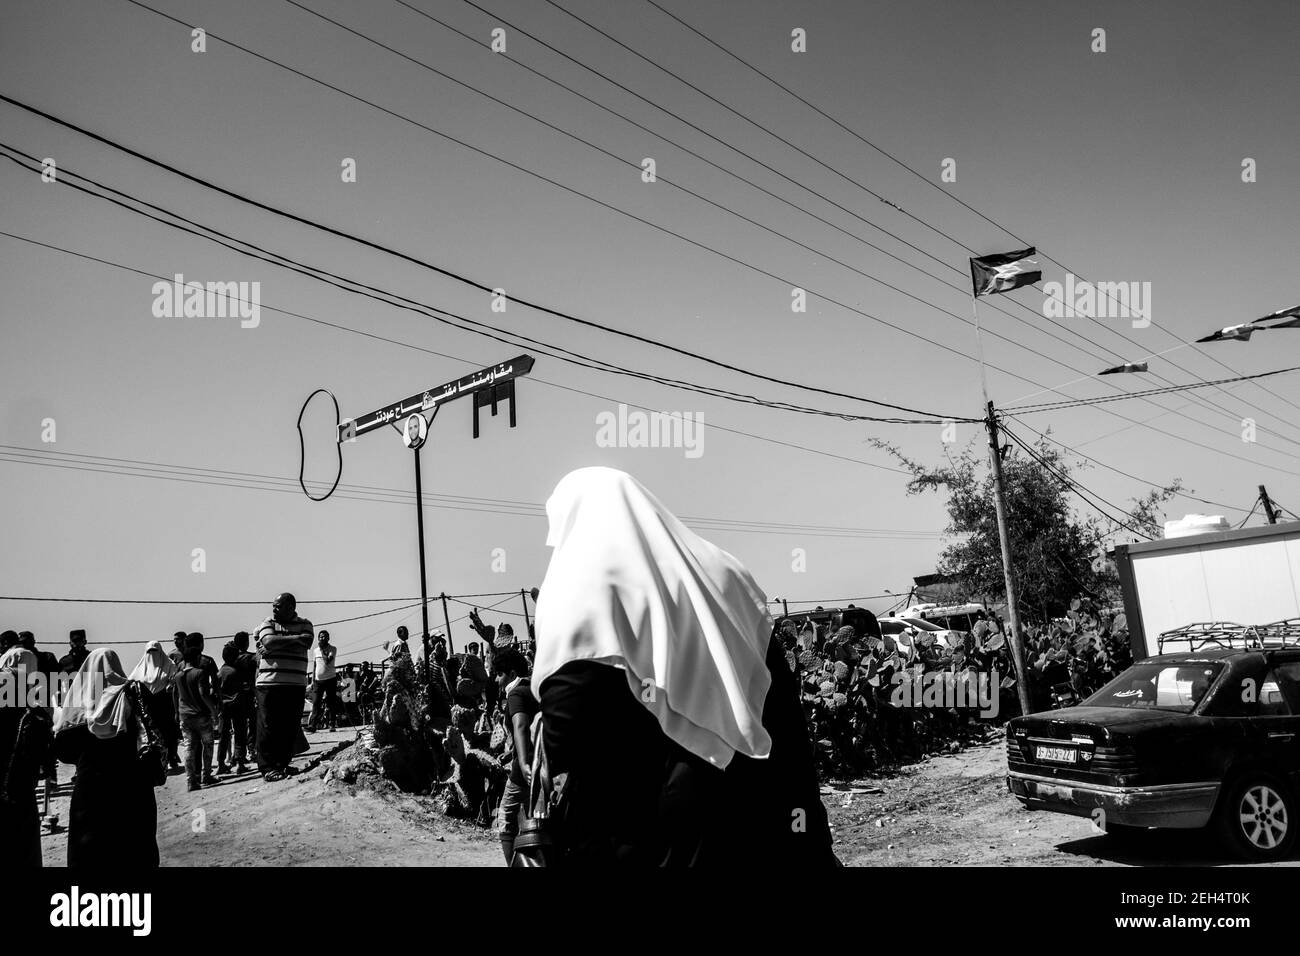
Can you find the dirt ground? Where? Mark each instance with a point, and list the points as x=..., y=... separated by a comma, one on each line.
x=303, y=821
x=951, y=810
x=955, y=810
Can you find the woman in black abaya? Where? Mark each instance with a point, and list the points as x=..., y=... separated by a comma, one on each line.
x=666, y=702
x=105, y=729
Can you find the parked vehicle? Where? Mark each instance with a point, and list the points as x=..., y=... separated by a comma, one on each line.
x=1208, y=737
x=951, y=638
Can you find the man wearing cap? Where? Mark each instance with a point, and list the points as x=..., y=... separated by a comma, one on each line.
x=71, y=662
x=284, y=642
x=325, y=695
x=46, y=662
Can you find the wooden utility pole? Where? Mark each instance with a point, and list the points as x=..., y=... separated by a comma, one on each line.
x=446, y=618
x=1268, y=505
x=1013, y=614
x=528, y=624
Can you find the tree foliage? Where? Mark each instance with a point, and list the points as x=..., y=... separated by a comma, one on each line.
x=1057, y=551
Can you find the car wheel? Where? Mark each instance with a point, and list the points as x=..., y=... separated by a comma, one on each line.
x=1258, y=819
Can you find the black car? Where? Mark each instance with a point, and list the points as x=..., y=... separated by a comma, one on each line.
x=1208, y=737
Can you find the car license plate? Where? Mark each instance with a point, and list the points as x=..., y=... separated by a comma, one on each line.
x=1058, y=754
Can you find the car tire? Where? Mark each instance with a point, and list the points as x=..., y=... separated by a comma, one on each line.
x=1258, y=818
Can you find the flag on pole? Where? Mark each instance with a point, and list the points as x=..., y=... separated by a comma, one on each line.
x=1126, y=367
x=1002, y=272
x=1245, y=330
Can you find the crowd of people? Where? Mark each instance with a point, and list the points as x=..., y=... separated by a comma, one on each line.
x=124, y=731
x=849, y=681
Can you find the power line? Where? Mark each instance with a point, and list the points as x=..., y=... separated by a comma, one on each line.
x=928, y=181
x=1099, y=400
x=800, y=184
x=456, y=276
x=134, y=468
x=1079, y=490
x=804, y=152
x=1102, y=464
x=260, y=56
x=717, y=205
x=655, y=225
x=439, y=315
x=262, y=602
x=1250, y=515
x=709, y=96
x=483, y=287
x=418, y=308
x=468, y=362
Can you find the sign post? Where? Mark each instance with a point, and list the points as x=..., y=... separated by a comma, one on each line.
x=488, y=387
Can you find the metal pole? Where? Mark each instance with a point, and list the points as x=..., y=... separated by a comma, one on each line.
x=424, y=584
x=528, y=624
x=1004, y=537
x=1268, y=505
x=785, y=608
x=447, y=620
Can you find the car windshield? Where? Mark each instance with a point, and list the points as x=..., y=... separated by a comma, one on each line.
x=893, y=626
x=922, y=625
x=1158, y=686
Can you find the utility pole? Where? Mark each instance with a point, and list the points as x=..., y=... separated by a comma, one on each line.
x=528, y=624
x=424, y=581
x=1013, y=614
x=1268, y=505
x=446, y=619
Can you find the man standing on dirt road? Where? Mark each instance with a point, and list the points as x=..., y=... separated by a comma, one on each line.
x=284, y=641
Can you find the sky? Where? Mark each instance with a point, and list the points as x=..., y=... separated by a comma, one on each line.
x=1122, y=165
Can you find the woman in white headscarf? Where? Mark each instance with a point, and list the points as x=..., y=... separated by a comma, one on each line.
x=24, y=747
x=104, y=728
x=156, y=674
x=665, y=698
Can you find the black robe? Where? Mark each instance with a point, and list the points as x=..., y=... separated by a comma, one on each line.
x=24, y=750
x=114, y=817
x=636, y=798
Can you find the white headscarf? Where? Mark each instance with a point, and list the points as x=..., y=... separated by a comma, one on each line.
x=155, y=669
x=630, y=586
x=95, y=698
x=19, y=659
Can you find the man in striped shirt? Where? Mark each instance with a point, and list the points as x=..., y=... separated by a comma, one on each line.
x=283, y=641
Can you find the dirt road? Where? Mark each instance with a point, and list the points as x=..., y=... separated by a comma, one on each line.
x=952, y=810
x=955, y=810
x=303, y=821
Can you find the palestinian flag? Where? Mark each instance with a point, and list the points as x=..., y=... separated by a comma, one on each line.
x=1241, y=332
x=1289, y=319
x=1002, y=272
x=1126, y=367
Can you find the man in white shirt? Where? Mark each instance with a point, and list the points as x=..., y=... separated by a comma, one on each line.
x=325, y=695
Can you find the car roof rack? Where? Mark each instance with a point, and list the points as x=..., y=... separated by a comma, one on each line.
x=1284, y=633
x=1232, y=636
x=1208, y=634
